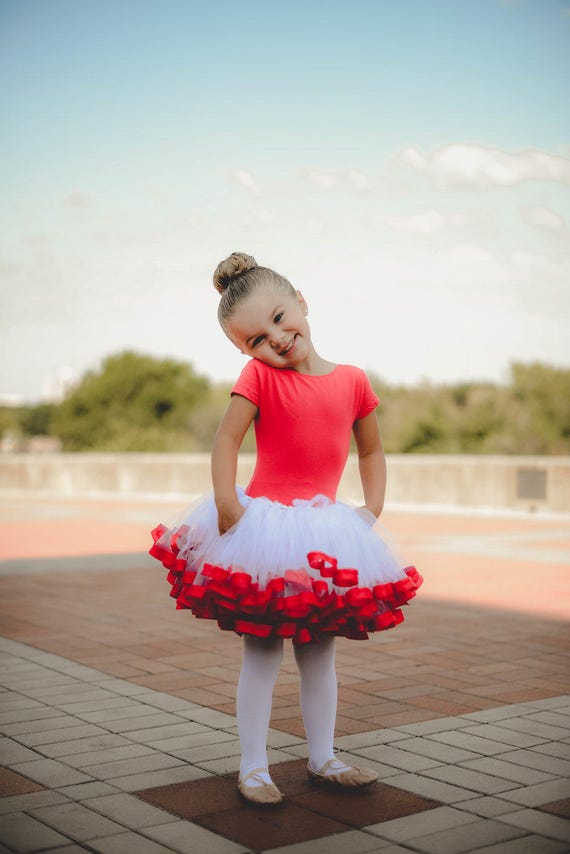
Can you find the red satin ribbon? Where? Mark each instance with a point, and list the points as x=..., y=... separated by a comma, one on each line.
x=328, y=568
x=312, y=611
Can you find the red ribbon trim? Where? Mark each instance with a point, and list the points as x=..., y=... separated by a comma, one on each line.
x=311, y=611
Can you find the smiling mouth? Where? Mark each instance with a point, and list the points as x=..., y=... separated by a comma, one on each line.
x=289, y=346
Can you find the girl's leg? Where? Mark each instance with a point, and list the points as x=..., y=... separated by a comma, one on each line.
x=318, y=704
x=261, y=662
x=318, y=698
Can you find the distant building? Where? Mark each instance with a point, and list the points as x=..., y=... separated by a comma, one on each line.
x=56, y=388
x=11, y=399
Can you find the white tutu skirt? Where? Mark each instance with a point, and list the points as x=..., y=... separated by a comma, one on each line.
x=304, y=571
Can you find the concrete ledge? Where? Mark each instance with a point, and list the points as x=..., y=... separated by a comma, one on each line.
x=500, y=482
x=516, y=483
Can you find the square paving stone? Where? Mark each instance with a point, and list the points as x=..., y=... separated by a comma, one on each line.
x=488, y=806
x=435, y=750
x=187, y=838
x=76, y=821
x=136, y=782
x=194, y=798
x=24, y=833
x=350, y=842
x=430, y=788
x=401, y=759
x=541, y=793
x=525, y=845
x=360, y=807
x=24, y=803
x=106, y=755
x=55, y=720
x=17, y=716
x=81, y=791
x=421, y=824
x=15, y=784
x=540, y=823
x=467, y=838
x=561, y=808
x=309, y=812
x=485, y=784
x=124, y=767
x=51, y=773
x=263, y=829
x=508, y=771
x=83, y=745
x=128, y=810
x=125, y=843
x=11, y=752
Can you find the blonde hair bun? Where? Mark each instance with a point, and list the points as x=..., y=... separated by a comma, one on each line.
x=232, y=268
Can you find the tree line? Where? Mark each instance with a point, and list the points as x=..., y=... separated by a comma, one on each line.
x=136, y=402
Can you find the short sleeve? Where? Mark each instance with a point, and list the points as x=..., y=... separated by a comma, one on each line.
x=368, y=398
x=248, y=383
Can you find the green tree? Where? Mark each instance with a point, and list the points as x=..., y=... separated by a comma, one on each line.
x=36, y=420
x=528, y=415
x=10, y=419
x=141, y=403
x=134, y=403
x=543, y=395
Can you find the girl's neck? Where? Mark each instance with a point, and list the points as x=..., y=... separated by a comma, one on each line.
x=313, y=365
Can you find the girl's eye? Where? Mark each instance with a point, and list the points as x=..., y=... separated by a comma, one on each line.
x=257, y=341
x=278, y=317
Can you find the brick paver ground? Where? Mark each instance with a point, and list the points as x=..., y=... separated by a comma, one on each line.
x=460, y=698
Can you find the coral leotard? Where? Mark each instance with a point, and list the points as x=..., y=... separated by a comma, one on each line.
x=303, y=427
x=298, y=564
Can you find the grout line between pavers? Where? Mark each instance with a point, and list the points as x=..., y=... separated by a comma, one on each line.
x=171, y=710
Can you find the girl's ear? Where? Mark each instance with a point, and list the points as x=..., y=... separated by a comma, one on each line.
x=234, y=342
x=302, y=302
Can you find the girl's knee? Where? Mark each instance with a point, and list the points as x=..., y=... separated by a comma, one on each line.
x=321, y=653
x=263, y=649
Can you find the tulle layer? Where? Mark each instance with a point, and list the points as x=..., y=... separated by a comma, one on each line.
x=303, y=571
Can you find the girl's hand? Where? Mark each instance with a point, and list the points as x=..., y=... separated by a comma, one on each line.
x=229, y=515
x=367, y=514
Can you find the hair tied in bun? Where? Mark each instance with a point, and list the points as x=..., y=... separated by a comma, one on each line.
x=232, y=268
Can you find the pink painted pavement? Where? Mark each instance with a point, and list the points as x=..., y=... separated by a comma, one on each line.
x=487, y=627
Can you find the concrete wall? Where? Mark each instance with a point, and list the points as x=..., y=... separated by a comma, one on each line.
x=526, y=483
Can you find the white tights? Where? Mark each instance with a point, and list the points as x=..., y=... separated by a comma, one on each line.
x=261, y=662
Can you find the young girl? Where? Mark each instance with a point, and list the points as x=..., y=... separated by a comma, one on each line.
x=284, y=559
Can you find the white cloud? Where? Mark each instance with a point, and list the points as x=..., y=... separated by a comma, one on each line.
x=351, y=179
x=541, y=284
x=540, y=264
x=466, y=265
x=78, y=199
x=544, y=218
x=479, y=165
x=35, y=239
x=157, y=192
x=246, y=180
x=359, y=180
x=421, y=223
x=264, y=215
x=322, y=180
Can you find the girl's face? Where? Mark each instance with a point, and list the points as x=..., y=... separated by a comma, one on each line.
x=271, y=325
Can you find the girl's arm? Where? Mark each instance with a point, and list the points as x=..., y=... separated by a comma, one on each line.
x=371, y=462
x=229, y=436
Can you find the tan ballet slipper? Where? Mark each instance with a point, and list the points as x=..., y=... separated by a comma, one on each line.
x=351, y=777
x=266, y=794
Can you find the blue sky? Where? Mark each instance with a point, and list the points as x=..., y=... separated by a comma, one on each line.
x=406, y=164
